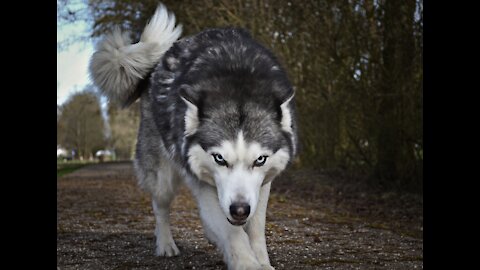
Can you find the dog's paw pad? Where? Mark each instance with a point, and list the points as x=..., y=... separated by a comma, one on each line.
x=167, y=249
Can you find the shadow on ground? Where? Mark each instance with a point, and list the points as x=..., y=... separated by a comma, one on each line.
x=313, y=221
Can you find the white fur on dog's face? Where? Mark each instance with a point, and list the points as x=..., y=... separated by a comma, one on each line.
x=240, y=180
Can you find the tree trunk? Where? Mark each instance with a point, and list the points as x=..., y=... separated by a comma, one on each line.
x=398, y=59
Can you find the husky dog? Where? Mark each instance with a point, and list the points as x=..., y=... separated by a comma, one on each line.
x=217, y=113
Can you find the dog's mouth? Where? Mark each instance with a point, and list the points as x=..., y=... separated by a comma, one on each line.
x=237, y=222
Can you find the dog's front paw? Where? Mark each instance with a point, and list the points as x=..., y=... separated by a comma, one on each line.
x=246, y=265
x=167, y=249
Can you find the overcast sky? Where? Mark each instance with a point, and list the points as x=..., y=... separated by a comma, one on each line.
x=72, y=62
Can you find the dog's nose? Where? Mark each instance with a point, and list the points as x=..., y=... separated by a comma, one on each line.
x=240, y=211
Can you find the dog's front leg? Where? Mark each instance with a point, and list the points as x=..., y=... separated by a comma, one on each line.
x=256, y=229
x=231, y=240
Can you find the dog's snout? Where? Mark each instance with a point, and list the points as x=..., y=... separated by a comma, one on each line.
x=240, y=211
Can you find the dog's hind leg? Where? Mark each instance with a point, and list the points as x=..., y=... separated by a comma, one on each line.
x=162, y=197
x=256, y=229
x=231, y=240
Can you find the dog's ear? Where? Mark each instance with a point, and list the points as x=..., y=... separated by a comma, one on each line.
x=284, y=94
x=285, y=107
x=190, y=97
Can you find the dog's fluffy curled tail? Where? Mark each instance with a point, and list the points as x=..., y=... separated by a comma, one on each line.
x=117, y=66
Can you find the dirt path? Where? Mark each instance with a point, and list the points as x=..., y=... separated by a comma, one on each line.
x=106, y=222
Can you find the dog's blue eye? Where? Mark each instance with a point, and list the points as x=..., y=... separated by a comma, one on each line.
x=219, y=160
x=260, y=161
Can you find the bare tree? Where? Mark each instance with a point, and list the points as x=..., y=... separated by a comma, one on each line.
x=82, y=124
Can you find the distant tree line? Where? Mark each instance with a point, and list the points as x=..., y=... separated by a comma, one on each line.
x=80, y=125
x=356, y=66
x=82, y=128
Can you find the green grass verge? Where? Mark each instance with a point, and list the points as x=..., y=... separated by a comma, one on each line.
x=64, y=168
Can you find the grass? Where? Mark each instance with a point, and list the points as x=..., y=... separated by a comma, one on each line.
x=66, y=167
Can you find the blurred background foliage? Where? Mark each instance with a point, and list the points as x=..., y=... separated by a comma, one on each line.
x=357, y=68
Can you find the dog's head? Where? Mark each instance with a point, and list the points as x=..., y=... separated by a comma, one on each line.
x=239, y=113
x=239, y=136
